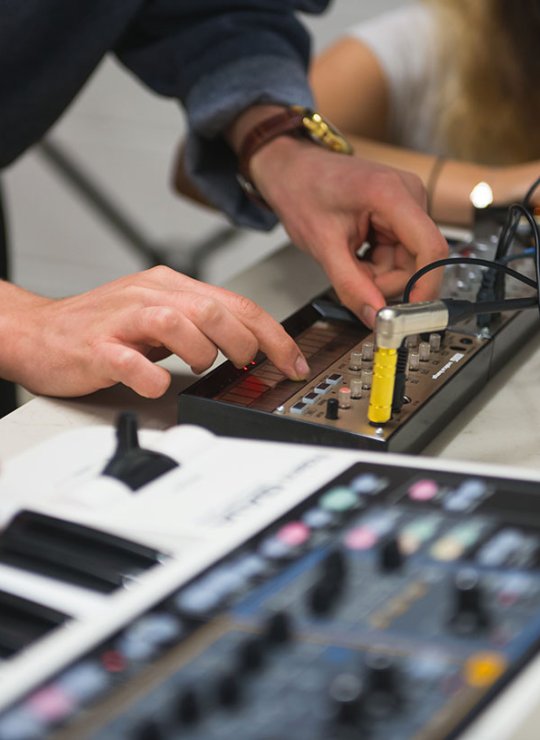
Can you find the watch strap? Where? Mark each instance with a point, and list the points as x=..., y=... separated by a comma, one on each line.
x=286, y=121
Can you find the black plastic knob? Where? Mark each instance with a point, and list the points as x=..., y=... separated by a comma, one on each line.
x=148, y=730
x=131, y=463
x=322, y=596
x=346, y=692
x=189, y=708
x=334, y=566
x=332, y=408
x=469, y=613
x=383, y=684
x=229, y=691
x=278, y=628
x=251, y=654
x=390, y=555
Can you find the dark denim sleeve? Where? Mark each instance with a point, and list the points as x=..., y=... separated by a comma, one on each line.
x=219, y=57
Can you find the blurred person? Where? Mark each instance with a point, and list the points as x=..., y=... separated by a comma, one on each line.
x=233, y=67
x=445, y=89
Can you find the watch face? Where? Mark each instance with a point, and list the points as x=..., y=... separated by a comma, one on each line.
x=323, y=132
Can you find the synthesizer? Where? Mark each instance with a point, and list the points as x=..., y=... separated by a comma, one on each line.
x=445, y=370
x=200, y=587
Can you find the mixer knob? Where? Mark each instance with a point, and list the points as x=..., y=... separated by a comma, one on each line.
x=355, y=361
x=334, y=566
x=148, y=730
x=250, y=654
x=278, y=628
x=469, y=613
x=189, y=709
x=346, y=693
x=424, y=351
x=344, y=397
x=368, y=351
x=382, y=683
x=322, y=597
x=229, y=691
x=391, y=556
x=332, y=408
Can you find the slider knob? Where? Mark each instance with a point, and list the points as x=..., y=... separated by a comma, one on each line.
x=229, y=691
x=148, y=730
x=188, y=708
x=382, y=684
x=469, y=613
x=391, y=556
x=278, y=628
x=250, y=655
x=324, y=594
x=334, y=566
x=346, y=693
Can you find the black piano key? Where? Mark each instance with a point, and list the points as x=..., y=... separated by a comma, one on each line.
x=73, y=552
x=23, y=621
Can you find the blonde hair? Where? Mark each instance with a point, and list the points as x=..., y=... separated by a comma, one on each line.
x=490, y=66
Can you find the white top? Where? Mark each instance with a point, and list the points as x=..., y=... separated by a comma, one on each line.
x=405, y=44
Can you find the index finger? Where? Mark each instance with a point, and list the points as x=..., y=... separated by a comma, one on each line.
x=413, y=228
x=273, y=340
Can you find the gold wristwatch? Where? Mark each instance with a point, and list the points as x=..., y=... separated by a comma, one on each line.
x=294, y=121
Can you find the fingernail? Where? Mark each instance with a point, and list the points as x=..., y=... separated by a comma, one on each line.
x=368, y=315
x=301, y=367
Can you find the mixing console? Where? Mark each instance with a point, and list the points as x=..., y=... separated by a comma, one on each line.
x=444, y=371
x=384, y=598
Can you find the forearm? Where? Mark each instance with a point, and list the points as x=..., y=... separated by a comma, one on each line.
x=450, y=196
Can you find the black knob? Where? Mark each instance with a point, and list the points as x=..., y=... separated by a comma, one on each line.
x=469, y=614
x=251, y=654
x=322, y=596
x=132, y=464
x=148, y=730
x=383, y=684
x=390, y=555
x=332, y=408
x=346, y=693
x=189, y=708
x=278, y=628
x=229, y=690
x=334, y=566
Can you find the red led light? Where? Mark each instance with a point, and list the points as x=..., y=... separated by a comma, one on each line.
x=113, y=661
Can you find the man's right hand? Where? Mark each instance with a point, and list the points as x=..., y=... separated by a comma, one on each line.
x=116, y=332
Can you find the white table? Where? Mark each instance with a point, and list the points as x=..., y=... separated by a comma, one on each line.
x=501, y=425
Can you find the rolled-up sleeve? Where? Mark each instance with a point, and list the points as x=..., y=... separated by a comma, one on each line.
x=219, y=58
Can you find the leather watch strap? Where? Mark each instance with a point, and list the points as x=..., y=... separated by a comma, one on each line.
x=286, y=122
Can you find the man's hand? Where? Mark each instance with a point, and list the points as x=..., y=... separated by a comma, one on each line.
x=113, y=334
x=331, y=204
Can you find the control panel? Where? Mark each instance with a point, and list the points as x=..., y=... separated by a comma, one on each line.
x=394, y=601
x=444, y=370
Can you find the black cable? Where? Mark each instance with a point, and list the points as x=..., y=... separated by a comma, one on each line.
x=508, y=233
x=459, y=310
x=521, y=211
x=530, y=192
x=464, y=261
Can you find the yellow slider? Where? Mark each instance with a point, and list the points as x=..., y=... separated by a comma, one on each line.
x=382, y=389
